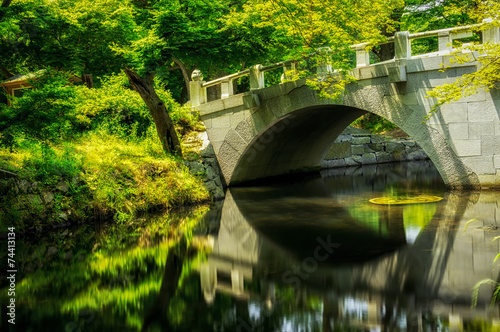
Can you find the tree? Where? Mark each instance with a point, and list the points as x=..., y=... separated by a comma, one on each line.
x=487, y=75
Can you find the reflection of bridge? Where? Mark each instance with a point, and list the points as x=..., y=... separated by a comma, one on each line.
x=436, y=274
x=287, y=128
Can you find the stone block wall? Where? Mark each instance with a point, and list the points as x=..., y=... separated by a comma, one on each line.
x=356, y=147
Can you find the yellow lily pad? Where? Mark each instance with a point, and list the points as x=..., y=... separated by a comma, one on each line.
x=407, y=200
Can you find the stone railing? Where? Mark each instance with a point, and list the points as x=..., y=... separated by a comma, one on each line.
x=402, y=45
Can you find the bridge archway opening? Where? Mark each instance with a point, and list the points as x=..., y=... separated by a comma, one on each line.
x=296, y=142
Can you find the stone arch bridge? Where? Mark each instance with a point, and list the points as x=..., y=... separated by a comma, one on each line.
x=287, y=128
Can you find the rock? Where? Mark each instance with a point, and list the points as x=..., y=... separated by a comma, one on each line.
x=343, y=138
x=369, y=159
x=417, y=155
x=208, y=152
x=68, y=256
x=62, y=186
x=361, y=140
x=377, y=139
x=392, y=147
x=353, y=161
x=34, y=200
x=218, y=182
x=399, y=155
x=215, y=191
x=384, y=157
x=63, y=216
x=195, y=167
x=51, y=252
x=47, y=196
x=357, y=149
x=210, y=173
x=409, y=143
x=333, y=163
x=24, y=186
x=376, y=147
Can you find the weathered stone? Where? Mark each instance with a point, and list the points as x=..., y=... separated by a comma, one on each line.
x=47, y=196
x=24, y=186
x=334, y=163
x=416, y=155
x=376, y=147
x=369, y=159
x=399, y=155
x=63, y=216
x=384, y=157
x=210, y=173
x=218, y=181
x=62, y=186
x=409, y=143
x=34, y=200
x=394, y=146
x=51, y=252
x=377, y=139
x=343, y=138
x=215, y=191
x=361, y=140
x=208, y=152
x=353, y=161
x=357, y=149
x=195, y=167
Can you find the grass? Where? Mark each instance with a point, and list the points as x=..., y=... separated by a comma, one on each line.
x=108, y=177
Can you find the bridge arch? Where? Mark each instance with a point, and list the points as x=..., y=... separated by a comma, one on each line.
x=287, y=128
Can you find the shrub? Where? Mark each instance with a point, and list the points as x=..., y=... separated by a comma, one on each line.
x=44, y=114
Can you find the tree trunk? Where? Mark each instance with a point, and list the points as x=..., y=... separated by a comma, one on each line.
x=184, y=71
x=164, y=125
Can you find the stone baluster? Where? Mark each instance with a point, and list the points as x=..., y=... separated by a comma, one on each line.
x=324, y=65
x=256, y=77
x=288, y=72
x=402, y=45
x=197, y=93
x=445, y=42
x=227, y=89
x=492, y=34
x=362, y=57
x=402, y=50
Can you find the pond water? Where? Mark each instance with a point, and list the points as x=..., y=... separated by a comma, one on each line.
x=309, y=255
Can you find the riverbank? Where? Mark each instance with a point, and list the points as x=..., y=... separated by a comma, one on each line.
x=98, y=177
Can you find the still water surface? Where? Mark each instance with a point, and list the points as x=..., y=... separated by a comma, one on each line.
x=312, y=255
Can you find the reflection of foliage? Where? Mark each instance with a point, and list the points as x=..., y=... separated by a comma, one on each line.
x=123, y=281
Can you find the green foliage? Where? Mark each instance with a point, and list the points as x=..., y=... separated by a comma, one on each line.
x=44, y=114
x=115, y=107
x=50, y=166
x=373, y=123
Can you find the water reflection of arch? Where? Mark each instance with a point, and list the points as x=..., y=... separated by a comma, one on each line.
x=426, y=270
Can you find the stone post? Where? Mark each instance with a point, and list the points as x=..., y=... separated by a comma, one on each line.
x=227, y=89
x=324, y=65
x=256, y=77
x=362, y=57
x=402, y=45
x=492, y=34
x=288, y=72
x=445, y=42
x=198, y=94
